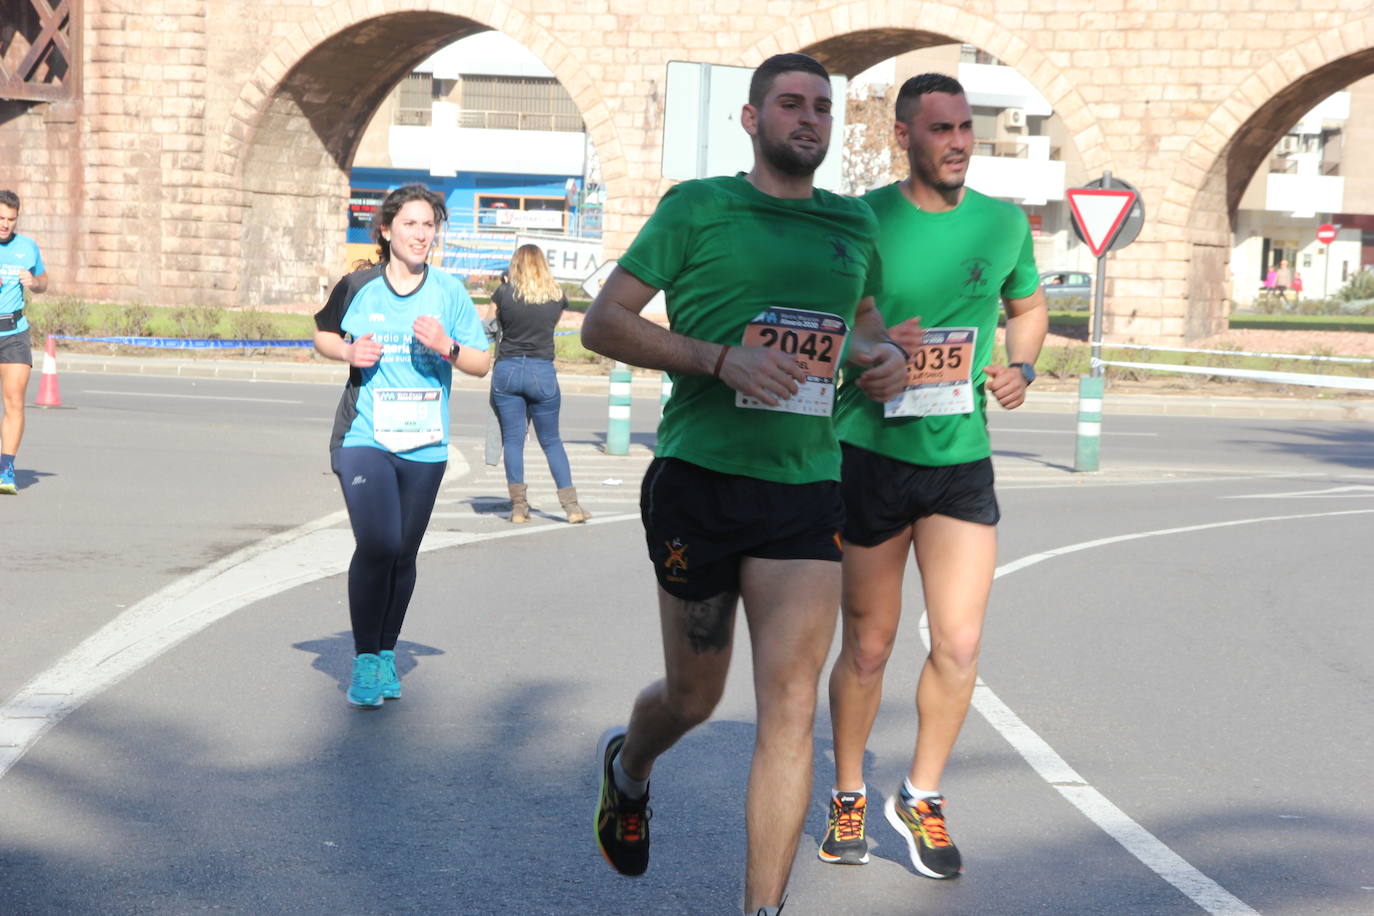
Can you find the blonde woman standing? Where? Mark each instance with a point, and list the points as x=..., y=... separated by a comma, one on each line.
x=524, y=386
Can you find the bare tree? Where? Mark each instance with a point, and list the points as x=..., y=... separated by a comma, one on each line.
x=870, y=152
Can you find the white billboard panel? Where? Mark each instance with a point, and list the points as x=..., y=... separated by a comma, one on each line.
x=702, y=134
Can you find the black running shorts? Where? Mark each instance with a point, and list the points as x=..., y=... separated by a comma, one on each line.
x=700, y=523
x=15, y=348
x=883, y=495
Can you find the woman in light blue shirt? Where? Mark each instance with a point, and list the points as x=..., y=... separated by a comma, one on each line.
x=402, y=328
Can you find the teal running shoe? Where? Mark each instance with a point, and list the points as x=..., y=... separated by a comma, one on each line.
x=7, y=481
x=391, y=680
x=366, y=690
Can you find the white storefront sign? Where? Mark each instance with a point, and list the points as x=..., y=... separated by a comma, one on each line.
x=570, y=259
x=529, y=219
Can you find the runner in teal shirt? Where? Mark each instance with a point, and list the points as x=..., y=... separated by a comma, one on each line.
x=402, y=327
x=21, y=269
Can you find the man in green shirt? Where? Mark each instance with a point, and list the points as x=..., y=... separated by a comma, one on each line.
x=769, y=285
x=918, y=469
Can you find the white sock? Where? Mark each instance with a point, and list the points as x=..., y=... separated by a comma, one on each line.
x=862, y=790
x=918, y=794
x=627, y=784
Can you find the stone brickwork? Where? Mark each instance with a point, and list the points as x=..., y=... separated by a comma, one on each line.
x=207, y=158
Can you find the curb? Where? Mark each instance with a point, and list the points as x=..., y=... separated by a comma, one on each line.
x=647, y=384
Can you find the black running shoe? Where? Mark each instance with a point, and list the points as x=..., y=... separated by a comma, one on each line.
x=622, y=824
x=922, y=823
x=844, y=842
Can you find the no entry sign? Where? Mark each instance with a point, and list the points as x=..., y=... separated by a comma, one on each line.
x=1326, y=233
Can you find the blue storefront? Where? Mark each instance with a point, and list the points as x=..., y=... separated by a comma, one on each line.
x=475, y=201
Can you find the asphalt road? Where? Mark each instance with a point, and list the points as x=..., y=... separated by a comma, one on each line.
x=1175, y=714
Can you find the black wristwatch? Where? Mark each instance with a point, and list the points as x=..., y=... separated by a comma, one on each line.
x=453, y=351
x=1027, y=371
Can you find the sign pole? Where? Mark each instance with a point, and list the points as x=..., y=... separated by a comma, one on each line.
x=1088, y=441
x=1326, y=272
x=1091, y=387
x=1326, y=234
x=618, y=412
x=1098, y=283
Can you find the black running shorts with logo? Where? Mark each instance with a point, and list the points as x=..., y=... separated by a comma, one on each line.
x=15, y=348
x=700, y=523
x=883, y=495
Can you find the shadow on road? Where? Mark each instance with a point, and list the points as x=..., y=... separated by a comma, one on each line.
x=455, y=802
x=334, y=656
x=1349, y=444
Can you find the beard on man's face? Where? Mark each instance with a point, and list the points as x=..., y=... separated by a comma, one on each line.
x=787, y=159
x=929, y=173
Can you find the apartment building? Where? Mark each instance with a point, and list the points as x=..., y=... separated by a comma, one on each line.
x=1025, y=155
x=487, y=125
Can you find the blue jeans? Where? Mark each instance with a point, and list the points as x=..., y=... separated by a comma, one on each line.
x=522, y=388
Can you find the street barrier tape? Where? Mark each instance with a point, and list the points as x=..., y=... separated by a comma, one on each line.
x=1259, y=375
x=185, y=343
x=1327, y=359
x=191, y=343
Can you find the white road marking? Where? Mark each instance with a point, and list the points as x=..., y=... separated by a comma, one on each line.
x=286, y=560
x=136, y=637
x=1151, y=477
x=1055, y=770
x=191, y=397
x=1110, y=434
x=1333, y=492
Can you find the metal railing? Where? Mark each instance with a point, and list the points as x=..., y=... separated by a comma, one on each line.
x=520, y=120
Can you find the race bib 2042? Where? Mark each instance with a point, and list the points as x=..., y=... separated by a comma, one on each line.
x=815, y=340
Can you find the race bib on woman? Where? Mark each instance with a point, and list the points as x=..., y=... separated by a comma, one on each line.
x=407, y=418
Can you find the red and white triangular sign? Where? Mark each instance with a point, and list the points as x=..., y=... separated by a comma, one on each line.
x=1099, y=213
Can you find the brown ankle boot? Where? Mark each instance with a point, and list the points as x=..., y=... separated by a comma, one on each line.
x=519, y=505
x=576, y=514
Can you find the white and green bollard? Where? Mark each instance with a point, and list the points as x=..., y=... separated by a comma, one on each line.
x=665, y=391
x=618, y=419
x=1089, y=423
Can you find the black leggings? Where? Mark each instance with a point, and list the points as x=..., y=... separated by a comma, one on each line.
x=389, y=500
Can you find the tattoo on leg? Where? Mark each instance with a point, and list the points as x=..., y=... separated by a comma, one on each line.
x=709, y=624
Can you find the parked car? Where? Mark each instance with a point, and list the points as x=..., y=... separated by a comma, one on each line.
x=1063, y=285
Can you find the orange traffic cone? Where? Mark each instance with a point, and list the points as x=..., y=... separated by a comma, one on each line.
x=48, y=395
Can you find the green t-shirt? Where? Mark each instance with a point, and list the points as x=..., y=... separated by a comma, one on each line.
x=952, y=269
x=724, y=252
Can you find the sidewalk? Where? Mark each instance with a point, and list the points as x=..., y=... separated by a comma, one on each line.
x=1048, y=395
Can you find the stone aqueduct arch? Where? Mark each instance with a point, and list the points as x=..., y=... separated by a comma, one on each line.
x=298, y=120
x=1200, y=200
x=238, y=200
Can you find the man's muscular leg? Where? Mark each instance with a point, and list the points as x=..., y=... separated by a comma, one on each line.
x=872, y=603
x=790, y=606
x=957, y=560
x=697, y=639
x=14, y=380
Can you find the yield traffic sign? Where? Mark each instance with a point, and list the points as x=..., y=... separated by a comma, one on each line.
x=1326, y=233
x=1099, y=213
